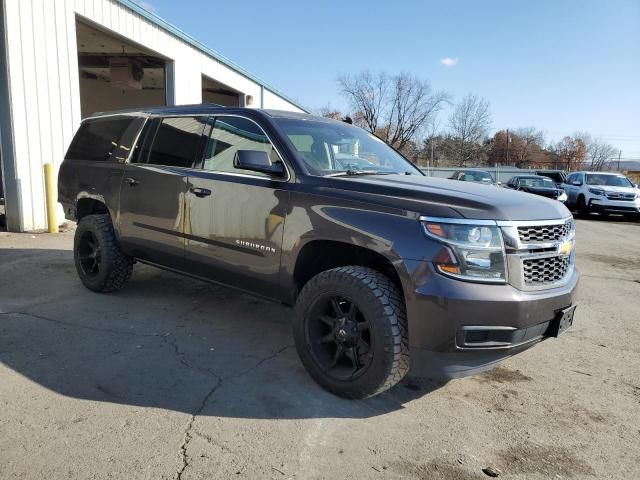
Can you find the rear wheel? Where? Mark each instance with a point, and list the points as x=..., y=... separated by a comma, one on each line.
x=351, y=331
x=100, y=263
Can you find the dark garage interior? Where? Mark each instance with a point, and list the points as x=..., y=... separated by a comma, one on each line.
x=116, y=74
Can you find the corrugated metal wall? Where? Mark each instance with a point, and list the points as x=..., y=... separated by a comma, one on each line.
x=44, y=80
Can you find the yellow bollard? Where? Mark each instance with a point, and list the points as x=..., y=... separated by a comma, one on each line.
x=50, y=189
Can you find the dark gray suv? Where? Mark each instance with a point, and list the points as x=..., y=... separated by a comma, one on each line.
x=388, y=269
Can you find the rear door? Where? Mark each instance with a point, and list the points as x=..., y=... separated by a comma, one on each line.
x=235, y=218
x=153, y=188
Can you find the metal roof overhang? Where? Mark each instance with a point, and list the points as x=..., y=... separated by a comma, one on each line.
x=185, y=37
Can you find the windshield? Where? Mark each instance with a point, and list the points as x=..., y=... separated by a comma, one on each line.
x=539, y=182
x=332, y=148
x=473, y=176
x=608, y=180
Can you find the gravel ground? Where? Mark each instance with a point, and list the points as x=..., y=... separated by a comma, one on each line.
x=172, y=378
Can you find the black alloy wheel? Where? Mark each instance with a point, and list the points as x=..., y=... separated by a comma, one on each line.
x=339, y=336
x=89, y=254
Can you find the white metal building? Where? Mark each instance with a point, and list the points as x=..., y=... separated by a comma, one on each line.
x=61, y=60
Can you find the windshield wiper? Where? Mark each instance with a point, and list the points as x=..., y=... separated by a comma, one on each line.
x=354, y=173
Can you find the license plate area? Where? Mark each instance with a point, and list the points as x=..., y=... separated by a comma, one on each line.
x=562, y=322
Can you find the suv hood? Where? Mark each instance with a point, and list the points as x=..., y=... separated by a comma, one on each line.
x=443, y=197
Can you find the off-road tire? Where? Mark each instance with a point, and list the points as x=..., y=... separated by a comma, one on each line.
x=116, y=267
x=581, y=206
x=381, y=303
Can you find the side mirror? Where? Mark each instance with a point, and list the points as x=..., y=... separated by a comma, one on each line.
x=577, y=183
x=257, y=161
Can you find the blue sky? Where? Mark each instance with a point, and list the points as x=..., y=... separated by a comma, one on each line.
x=561, y=66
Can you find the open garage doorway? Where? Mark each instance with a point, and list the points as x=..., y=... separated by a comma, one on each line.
x=220, y=94
x=117, y=74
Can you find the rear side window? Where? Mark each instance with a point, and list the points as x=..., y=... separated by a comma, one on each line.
x=99, y=139
x=177, y=141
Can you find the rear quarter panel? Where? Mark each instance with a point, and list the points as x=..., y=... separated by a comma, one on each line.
x=99, y=181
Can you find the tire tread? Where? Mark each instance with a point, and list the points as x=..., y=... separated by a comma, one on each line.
x=390, y=304
x=118, y=265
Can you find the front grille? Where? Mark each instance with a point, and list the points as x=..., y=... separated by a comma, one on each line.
x=546, y=270
x=544, y=233
x=621, y=196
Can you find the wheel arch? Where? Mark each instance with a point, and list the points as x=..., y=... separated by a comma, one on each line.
x=319, y=255
x=90, y=205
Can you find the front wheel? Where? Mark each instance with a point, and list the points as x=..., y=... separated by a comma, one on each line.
x=351, y=331
x=581, y=206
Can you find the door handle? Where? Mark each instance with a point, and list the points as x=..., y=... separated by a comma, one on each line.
x=132, y=181
x=200, y=192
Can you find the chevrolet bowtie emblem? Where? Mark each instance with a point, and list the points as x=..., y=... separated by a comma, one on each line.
x=565, y=248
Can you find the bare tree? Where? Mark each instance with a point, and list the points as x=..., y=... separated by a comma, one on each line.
x=329, y=112
x=394, y=108
x=367, y=94
x=469, y=124
x=598, y=151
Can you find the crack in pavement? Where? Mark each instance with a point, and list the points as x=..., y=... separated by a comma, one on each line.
x=188, y=436
x=86, y=327
x=184, y=455
x=182, y=356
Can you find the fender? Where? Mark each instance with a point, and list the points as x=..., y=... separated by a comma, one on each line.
x=388, y=232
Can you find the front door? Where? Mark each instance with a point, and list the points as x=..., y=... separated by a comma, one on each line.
x=571, y=189
x=235, y=218
x=153, y=189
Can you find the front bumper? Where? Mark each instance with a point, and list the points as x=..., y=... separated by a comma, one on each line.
x=615, y=206
x=459, y=328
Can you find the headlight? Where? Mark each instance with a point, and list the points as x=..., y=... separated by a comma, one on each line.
x=562, y=197
x=595, y=191
x=477, y=251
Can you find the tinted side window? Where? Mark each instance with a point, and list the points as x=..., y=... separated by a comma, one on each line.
x=141, y=149
x=176, y=141
x=123, y=152
x=97, y=139
x=230, y=134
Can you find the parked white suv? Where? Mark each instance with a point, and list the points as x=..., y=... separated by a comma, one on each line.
x=603, y=193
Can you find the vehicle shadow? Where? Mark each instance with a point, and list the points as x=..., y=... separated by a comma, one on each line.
x=596, y=217
x=165, y=341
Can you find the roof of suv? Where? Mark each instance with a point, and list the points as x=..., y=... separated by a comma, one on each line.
x=201, y=108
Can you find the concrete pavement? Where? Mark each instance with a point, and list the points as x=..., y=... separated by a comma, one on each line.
x=173, y=378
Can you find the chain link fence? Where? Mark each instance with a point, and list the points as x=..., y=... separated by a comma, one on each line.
x=500, y=174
